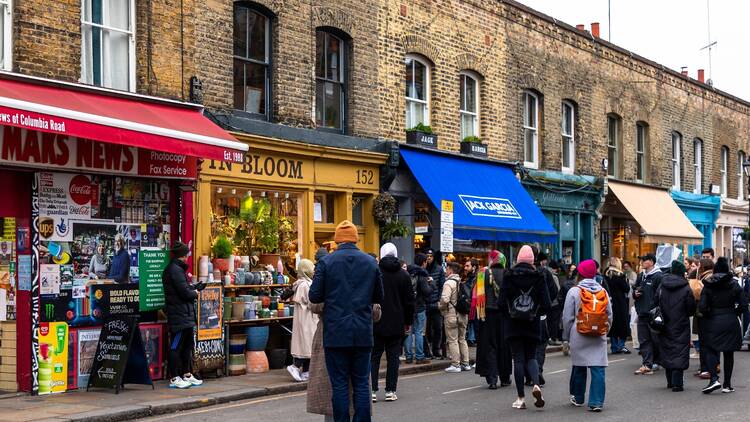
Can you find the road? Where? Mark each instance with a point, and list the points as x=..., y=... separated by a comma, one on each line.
x=442, y=397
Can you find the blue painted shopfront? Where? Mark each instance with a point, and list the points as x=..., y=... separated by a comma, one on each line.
x=702, y=211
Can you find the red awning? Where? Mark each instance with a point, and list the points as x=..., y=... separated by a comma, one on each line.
x=112, y=117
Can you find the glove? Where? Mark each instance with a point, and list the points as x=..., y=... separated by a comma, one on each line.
x=200, y=286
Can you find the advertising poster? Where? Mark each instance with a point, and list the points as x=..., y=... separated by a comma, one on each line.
x=87, y=341
x=151, y=264
x=209, y=313
x=63, y=197
x=49, y=274
x=53, y=357
x=153, y=345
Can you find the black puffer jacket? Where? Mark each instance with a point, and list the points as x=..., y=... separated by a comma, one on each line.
x=179, y=295
x=523, y=277
x=423, y=288
x=722, y=302
x=438, y=279
x=398, y=299
x=677, y=304
x=491, y=301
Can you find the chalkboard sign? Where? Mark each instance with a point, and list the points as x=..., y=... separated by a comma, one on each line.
x=120, y=358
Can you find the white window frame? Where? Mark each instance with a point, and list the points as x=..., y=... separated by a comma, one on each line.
x=266, y=62
x=676, y=161
x=427, y=79
x=723, y=170
x=462, y=111
x=641, y=131
x=698, y=165
x=104, y=27
x=533, y=128
x=7, y=17
x=741, y=158
x=568, y=138
x=613, y=168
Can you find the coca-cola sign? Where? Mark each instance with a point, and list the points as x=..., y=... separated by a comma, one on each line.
x=80, y=189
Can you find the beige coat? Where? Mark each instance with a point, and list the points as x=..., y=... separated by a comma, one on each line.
x=319, y=393
x=449, y=296
x=305, y=322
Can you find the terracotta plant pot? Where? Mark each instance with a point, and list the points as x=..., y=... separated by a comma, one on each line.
x=221, y=264
x=256, y=362
x=269, y=259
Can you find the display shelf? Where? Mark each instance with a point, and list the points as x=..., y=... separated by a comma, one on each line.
x=254, y=286
x=248, y=321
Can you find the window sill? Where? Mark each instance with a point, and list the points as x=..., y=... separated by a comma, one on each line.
x=531, y=165
x=567, y=170
x=249, y=115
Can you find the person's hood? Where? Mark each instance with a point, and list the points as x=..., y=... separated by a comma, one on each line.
x=590, y=284
x=453, y=277
x=719, y=280
x=180, y=264
x=416, y=270
x=390, y=264
x=673, y=282
x=524, y=275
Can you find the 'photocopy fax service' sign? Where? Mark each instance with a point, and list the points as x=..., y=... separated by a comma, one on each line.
x=482, y=206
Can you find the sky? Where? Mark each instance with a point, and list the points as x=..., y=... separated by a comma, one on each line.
x=672, y=33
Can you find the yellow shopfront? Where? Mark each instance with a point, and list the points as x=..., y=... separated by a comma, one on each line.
x=309, y=189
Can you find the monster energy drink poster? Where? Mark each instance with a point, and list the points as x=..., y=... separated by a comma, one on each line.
x=56, y=307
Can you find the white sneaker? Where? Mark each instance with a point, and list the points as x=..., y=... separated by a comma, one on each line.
x=466, y=367
x=453, y=369
x=195, y=382
x=519, y=404
x=294, y=372
x=305, y=376
x=374, y=397
x=390, y=396
x=180, y=383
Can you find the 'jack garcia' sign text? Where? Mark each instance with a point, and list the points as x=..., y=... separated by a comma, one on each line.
x=483, y=206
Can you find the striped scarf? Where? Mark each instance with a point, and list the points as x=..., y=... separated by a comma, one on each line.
x=478, y=298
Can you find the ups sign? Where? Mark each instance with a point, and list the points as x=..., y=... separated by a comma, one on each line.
x=46, y=227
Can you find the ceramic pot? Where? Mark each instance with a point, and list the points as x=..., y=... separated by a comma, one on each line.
x=256, y=362
x=269, y=259
x=203, y=267
x=257, y=338
x=221, y=264
x=230, y=264
x=238, y=310
x=237, y=364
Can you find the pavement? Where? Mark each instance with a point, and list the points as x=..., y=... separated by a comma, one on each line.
x=441, y=397
x=138, y=401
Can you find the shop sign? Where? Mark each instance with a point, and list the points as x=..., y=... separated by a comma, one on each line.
x=49, y=150
x=446, y=226
x=265, y=166
x=209, y=313
x=151, y=264
x=482, y=206
x=115, y=299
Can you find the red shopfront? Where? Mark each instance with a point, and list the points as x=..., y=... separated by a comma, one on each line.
x=81, y=168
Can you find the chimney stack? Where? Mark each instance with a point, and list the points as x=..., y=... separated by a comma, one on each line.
x=595, y=29
x=581, y=27
x=701, y=76
x=684, y=70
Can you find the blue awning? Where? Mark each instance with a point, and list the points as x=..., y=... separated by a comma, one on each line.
x=489, y=203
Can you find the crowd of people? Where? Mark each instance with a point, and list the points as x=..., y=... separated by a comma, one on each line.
x=370, y=306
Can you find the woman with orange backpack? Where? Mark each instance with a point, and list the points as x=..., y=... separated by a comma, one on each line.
x=586, y=318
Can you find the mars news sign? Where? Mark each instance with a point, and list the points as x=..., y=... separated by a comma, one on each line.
x=50, y=150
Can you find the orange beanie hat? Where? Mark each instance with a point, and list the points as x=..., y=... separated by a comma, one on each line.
x=346, y=232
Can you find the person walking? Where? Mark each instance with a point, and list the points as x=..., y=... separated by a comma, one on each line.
x=414, y=344
x=705, y=272
x=524, y=298
x=180, y=298
x=585, y=325
x=677, y=304
x=304, y=322
x=455, y=320
x=435, y=349
x=348, y=282
x=471, y=266
x=397, y=315
x=493, y=357
x=645, y=290
x=553, y=288
x=722, y=302
x=618, y=293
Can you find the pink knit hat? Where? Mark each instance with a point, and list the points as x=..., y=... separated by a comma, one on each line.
x=587, y=268
x=526, y=254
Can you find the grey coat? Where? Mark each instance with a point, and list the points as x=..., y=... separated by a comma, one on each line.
x=584, y=350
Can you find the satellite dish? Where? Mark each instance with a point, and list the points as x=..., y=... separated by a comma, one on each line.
x=710, y=82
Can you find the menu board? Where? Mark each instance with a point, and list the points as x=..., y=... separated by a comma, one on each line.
x=119, y=356
x=151, y=264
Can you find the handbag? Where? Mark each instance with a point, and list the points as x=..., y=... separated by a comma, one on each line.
x=656, y=320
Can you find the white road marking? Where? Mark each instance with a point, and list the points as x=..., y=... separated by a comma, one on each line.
x=557, y=372
x=463, y=389
x=617, y=360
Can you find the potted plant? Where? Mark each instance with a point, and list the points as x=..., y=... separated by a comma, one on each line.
x=267, y=238
x=473, y=145
x=222, y=250
x=393, y=229
x=421, y=135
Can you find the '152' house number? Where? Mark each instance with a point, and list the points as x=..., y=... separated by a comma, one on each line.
x=365, y=177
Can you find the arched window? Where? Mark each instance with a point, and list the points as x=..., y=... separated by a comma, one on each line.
x=641, y=151
x=469, y=107
x=724, y=170
x=417, y=91
x=613, y=145
x=741, y=158
x=531, y=117
x=676, y=161
x=252, y=60
x=567, y=129
x=698, y=165
x=330, y=80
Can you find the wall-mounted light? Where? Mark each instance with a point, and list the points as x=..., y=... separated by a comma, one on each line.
x=219, y=190
x=234, y=191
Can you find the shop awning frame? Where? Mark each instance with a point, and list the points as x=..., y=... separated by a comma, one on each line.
x=660, y=218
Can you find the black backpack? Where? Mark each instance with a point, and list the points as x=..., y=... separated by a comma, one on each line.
x=463, y=300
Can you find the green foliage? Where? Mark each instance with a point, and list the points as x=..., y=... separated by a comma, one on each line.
x=474, y=139
x=267, y=233
x=384, y=207
x=420, y=128
x=222, y=247
x=393, y=229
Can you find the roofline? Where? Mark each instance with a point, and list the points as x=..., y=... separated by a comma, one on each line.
x=97, y=90
x=605, y=43
x=511, y=164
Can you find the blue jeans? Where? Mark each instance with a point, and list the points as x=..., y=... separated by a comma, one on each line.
x=470, y=335
x=596, y=389
x=416, y=335
x=618, y=343
x=345, y=364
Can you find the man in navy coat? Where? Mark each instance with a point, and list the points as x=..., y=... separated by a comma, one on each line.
x=348, y=282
